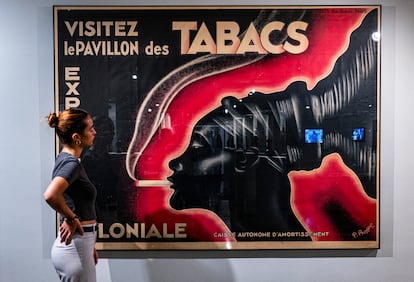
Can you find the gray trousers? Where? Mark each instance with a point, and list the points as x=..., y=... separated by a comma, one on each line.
x=75, y=262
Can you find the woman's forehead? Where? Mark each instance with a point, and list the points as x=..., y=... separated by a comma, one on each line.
x=89, y=121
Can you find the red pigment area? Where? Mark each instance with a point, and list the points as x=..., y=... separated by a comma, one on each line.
x=331, y=199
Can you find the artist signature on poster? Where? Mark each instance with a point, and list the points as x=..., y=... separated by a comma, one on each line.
x=361, y=232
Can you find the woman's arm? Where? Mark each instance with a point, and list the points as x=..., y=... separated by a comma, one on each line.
x=54, y=197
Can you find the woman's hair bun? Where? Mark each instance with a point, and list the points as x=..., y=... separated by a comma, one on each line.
x=53, y=120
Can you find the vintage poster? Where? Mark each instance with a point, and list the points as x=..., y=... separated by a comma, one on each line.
x=227, y=128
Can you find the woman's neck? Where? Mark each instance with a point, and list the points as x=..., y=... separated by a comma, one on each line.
x=73, y=151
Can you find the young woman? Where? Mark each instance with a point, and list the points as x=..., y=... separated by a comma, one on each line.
x=72, y=195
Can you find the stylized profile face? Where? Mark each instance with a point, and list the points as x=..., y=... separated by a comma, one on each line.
x=229, y=170
x=197, y=178
x=245, y=188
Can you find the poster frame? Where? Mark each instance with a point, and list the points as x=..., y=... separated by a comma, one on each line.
x=251, y=245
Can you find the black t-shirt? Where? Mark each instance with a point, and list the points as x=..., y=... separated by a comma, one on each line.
x=80, y=196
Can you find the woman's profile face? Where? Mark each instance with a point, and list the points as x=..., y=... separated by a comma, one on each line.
x=89, y=133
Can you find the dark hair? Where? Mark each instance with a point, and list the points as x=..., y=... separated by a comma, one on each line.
x=68, y=122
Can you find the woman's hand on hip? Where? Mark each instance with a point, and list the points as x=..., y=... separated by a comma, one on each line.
x=67, y=230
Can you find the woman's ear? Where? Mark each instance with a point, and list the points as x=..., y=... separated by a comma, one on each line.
x=76, y=138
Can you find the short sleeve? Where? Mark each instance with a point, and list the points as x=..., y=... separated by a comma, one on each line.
x=68, y=169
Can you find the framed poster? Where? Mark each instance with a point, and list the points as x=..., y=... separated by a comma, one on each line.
x=242, y=127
